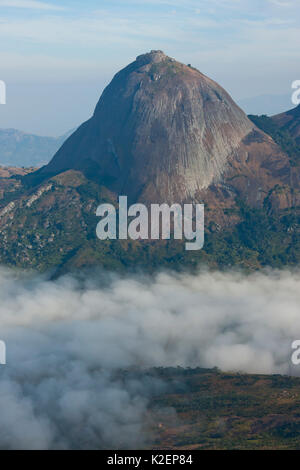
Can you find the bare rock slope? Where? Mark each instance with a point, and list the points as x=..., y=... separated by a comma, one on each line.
x=161, y=130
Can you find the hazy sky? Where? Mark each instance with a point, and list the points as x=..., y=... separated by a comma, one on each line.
x=57, y=56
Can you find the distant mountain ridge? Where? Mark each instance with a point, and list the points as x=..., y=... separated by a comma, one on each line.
x=21, y=149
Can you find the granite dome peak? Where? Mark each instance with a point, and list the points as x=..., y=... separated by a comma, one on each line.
x=161, y=130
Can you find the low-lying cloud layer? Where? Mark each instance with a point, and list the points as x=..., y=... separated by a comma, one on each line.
x=67, y=339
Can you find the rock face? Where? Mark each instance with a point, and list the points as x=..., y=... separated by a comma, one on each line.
x=290, y=121
x=161, y=131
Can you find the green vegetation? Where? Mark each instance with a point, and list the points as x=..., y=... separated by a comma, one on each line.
x=166, y=69
x=58, y=231
x=260, y=239
x=281, y=136
x=208, y=409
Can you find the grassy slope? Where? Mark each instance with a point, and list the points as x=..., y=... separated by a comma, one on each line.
x=215, y=410
x=281, y=136
x=59, y=229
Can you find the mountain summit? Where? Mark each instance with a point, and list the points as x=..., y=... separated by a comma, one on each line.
x=160, y=131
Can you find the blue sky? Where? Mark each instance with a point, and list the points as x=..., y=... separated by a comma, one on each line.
x=56, y=56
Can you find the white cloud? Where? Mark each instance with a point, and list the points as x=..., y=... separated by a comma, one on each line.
x=66, y=341
x=31, y=4
x=282, y=3
x=249, y=47
x=98, y=29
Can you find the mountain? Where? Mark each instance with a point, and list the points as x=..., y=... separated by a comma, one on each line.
x=289, y=121
x=164, y=132
x=161, y=132
x=20, y=149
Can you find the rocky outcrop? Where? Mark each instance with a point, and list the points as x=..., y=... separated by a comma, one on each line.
x=161, y=131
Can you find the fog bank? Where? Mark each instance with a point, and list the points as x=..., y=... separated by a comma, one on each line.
x=66, y=340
